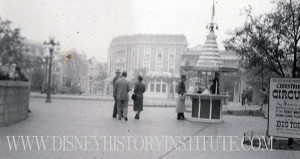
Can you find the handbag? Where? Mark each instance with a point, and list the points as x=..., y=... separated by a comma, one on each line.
x=133, y=97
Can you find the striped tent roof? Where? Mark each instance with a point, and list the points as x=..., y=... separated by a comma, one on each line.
x=209, y=59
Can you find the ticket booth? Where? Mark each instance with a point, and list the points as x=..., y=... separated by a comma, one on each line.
x=207, y=107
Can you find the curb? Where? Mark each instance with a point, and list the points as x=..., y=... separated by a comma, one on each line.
x=107, y=99
x=73, y=98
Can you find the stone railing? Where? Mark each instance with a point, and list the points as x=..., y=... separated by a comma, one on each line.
x=14, y=101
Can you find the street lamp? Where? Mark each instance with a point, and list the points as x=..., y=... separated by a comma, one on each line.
x=45, y=64
x=51, y=45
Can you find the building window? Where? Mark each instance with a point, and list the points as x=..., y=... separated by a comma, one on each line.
x=159, y=53
x=146, y=64
x=158, y=87
x=133, y=59
x=171, y=89
x=147, y=54
x=159, y=59
x=120, y=56
x=147, y=57
x=171, y=60
x=152, y=87
x=172, y=54
x=164, y=88
x=159, y=65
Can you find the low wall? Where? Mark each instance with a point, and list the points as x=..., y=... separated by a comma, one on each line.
x=14, y=101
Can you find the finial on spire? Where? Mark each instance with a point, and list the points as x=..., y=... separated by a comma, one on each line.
x=212, y=25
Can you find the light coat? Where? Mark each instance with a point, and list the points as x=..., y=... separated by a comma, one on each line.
x=122, y=88
x=180, y=106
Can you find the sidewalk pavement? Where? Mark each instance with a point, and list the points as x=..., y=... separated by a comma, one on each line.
x=148, y=102
x=93, y=118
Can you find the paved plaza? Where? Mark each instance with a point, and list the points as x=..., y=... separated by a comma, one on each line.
x=94, y=119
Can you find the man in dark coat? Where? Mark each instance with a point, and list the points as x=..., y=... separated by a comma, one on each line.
x=139, y=89
x=214, y=88
x=115, y=112
x=244, y=95
x=122, y=88
x=20, y=76
x=249, y=95
x=264, y=102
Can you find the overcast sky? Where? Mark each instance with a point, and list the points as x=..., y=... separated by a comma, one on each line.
x=90, y=25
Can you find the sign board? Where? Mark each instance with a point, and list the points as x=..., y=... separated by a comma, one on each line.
x=284, y=107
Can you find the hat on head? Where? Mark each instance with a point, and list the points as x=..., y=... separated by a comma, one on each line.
x=124, y=74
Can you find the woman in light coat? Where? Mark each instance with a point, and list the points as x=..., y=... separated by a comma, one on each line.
x=180, y=106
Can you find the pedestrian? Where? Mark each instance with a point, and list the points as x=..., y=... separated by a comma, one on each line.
x=139, y=89
x=249, y=96
x=226, y=99
x=180, y=106
x=214, y=88
x=20, y=75
x=264, y=101
x=244, y=95
x=115, y=112
x=122, y=88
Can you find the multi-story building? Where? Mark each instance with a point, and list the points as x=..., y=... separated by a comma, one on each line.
x=159, y=56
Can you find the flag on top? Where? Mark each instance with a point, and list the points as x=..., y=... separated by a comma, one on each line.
x=213, y=11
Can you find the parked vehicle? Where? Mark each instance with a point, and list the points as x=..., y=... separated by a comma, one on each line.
x=76, y=89
x=73, y=89
x=64, y=90
x=53, y=89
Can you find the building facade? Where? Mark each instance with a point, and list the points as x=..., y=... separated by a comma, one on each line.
x=157, y=57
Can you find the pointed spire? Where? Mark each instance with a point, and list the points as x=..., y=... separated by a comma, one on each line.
x=213, y=12
x=212, y=25
x=209, y=59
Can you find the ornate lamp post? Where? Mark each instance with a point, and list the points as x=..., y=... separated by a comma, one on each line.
x=51, y=45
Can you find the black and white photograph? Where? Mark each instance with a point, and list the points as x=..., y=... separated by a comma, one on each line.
x=149, y=79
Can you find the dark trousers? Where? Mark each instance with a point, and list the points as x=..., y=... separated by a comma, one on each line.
x=115, y=111
x=243, y=101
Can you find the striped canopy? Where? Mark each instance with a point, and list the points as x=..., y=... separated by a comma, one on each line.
x=209, y=59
